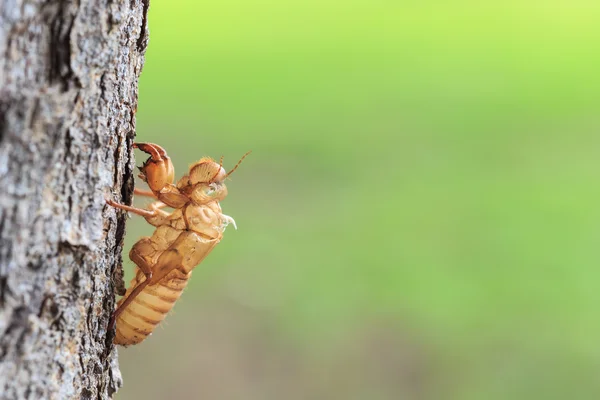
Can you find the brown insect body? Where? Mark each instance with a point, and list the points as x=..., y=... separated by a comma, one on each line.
x=182, y=239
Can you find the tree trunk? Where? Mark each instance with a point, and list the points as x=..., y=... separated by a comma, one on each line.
x=68, y=97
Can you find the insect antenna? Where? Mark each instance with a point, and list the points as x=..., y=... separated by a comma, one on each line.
x=238, y=164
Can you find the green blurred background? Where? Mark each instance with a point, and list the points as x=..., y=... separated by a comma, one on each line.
x=419, y=217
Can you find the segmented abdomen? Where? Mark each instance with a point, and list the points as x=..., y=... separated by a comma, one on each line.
x=149, y=308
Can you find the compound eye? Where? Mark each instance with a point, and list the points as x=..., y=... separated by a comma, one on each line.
x=221, y=175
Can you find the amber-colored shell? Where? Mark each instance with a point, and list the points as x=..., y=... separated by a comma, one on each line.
x=182, y=239
x=149, y=308
x=176, y=250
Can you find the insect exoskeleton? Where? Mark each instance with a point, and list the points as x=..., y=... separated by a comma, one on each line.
x=182, y=239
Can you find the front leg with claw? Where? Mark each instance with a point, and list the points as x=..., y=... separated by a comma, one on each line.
x=158, y=172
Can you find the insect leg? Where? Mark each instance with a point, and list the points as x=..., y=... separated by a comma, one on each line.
x=157, y=205
x=156, y=152
x=128, y=300
x=146, y=269
x=138, y=211
x=146, y=193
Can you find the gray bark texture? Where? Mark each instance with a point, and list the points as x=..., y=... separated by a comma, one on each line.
x=68, y=95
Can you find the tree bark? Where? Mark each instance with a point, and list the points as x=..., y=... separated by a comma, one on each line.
x=68, y=97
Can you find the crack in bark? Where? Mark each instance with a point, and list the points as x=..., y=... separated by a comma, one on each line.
x=4, y=290
x=3, y=123
x=60, y=70
x=142, y=40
